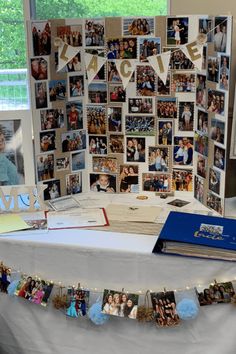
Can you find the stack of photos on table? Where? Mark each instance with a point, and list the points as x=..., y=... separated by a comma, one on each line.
x=148, y=136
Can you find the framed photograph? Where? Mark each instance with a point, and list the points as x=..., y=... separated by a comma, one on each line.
x=114, y=119
x=199, y=188
x=217, y=132
x=116, y=144
x=96, y=119
x=41, y=98
x=74, y=114
x=41, y=38
x=202, y=122
x=71, y=34
x=164, y=306
x=128, y=179
x=102, y=183
x=177, y=31
x=201, y=92
x=135, y=149
x=57, y=90
x=62, y=164
x=52, y=119
x=77, y=302
x=165, y=132
x=206, y=26
x=16, y=149
x=220, y=34
x=139, y=125
x=214, y=180
x=186, y=116
x=219, y=157
x=224, y=72
x=141, y=105
x=182, y=180
x=201, y=166
x=183, y=83
x=53, y=189
x=117, y=94
x=213, y=69
x=148, y=46
x=98, y=144
x=120, y=304
x=214, y=202
x=138, y=26
x=158, y=158
x=105, y=164
x=39, y=68
x=217, y=293
x=216, y=102
x=45, y=167
x=183, y=150
x=163, y=89
x=74, y=183
x=97, y=93
x=94, y=32
x=201, y=143
x=76, y=86
x=145, y=80
x=73, y=140
x=167, y=107
x=157, y=182
x=122, y=48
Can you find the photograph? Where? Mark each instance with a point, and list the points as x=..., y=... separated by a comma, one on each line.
x=45, y=167
x=74, y=113
x=116, y=144
x=158, y=158
x=217, y=132
x=117, y=303
x=167, y=107
x=145, y=80
x=217, y=293
x=201, y=166
x=98, y=145
x=78, y=161
x=53, y=189
x=204, y=56
x=201, y=92
x=202, y=122
x=215, y=203
x=164, y=307
x=219, y=157
x=213, y=69
x=177, y=31
x=148, y=46
x=163, y=89
x=73, y=140
x=135, y=149
x=41, y=99
x=12, y=169
x=34, y=289
x=62, y=164
x=214, y=181
x=74, y=64
x=47, y=141
x=216, y=102
x=39, y=68
x=117, y=93
x=74, y=183
x=113, y=75
x=207, y=229
x=186, y=116
x=41, y=36
x=105, y=164
x=199, y=188
x=122, y=48
x=178, y=60
x=128, y=179
x=102, y=183
x=57, y=90
x=156, y=182
x=183, y=151
x=183, y=83
x=94, y=33
x=141, y=105
x=96, y=119
x=114, y=119
x=205, y=27
x=220, y=34
x=71, y=34
x=182, y=180
x=138, y=26
x=165, y=132
x=201, y=143
x=224, y=72
x=97, y=93
x=77, y=302
x=76, y=85
x=52, y=119
x=139, y=125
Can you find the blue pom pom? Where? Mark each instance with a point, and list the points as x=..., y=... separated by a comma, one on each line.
x=95, y=314
x=12, y=287
x=187, y=309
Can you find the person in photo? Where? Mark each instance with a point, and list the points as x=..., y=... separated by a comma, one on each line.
x=8, y=171
x=102, y=185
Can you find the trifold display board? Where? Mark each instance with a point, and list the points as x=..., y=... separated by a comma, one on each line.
x=104, y=126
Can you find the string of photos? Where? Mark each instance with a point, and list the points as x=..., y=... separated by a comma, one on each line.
x=165, y=308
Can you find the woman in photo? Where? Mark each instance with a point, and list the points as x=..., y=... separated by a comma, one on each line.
x=115, y=308
x=107, y=308
x=130, y=309
x=123, y=303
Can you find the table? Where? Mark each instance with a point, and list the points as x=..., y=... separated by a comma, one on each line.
x=100, y=259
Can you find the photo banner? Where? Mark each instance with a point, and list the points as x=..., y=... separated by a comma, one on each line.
x=93, y=64
x=125, y=68
x=160, y=64
x=194, y=52
x=65, y=53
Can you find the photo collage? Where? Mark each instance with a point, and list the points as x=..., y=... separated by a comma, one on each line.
x=148, y=136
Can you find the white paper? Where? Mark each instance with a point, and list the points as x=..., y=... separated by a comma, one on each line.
x=136, y=213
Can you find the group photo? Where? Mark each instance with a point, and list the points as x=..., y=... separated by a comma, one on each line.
x=120, y=304
x=164, y=306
